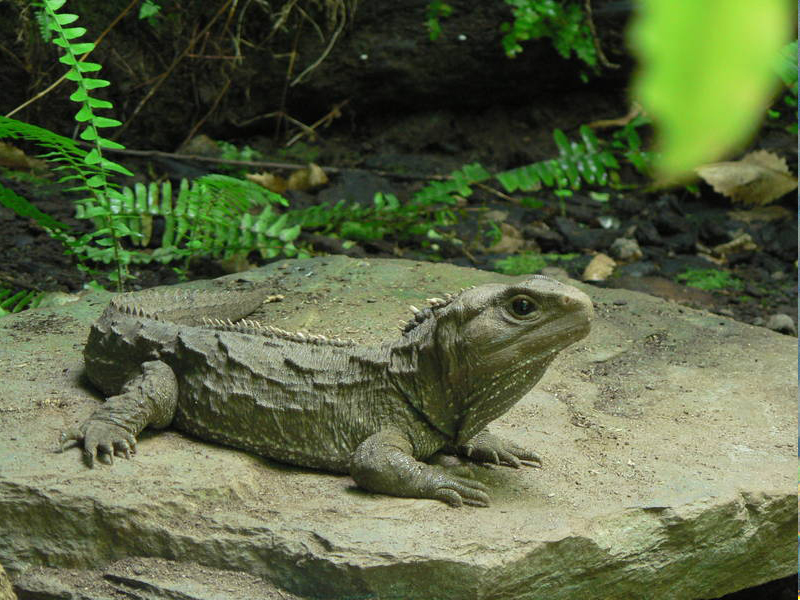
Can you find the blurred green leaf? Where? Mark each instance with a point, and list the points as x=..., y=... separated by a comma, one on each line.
x=786, y=64
x=706, y=73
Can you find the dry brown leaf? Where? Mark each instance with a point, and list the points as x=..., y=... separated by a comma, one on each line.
x=762, y=213
x=757, y=179
x=510, y=242
x=741, y=243
x=274, y=183
x=302, y=179
x=305, y=179
x=599, y=268
x=14, y=158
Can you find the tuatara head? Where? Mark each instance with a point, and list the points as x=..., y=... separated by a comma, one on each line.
x=493, y=343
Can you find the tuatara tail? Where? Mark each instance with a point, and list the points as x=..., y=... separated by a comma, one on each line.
x=190, y=307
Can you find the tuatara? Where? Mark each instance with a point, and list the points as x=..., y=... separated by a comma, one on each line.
x=375, y=412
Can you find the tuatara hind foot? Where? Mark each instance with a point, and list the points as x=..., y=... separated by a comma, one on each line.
x=489, y=448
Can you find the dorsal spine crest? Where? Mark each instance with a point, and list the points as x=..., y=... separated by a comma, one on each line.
x=255, y=328
x=431, y=311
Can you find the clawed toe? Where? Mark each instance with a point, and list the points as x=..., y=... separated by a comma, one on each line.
x=69, y=438
x=100, y=442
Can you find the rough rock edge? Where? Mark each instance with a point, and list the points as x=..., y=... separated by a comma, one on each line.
x=6, y=592
x=152, y=578
x=759, y=518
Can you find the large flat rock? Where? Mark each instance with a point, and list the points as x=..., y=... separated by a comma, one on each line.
x=668, y=437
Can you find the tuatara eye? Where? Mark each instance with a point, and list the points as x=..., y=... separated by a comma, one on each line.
x=522, y=306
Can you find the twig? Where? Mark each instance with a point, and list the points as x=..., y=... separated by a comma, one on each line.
x=325, y=52
x=252, y=120
x=283, y=16
x=634, y=111
x=162, y=78
x=326, y=120
x=212, y=56
x=55, y=84
x=600, y=55
x=299, y=124
x=268, y=164
x=285, y=90
x=497, y=193
x=209, y=112
x=18, y=283
x=13, y=57
x=469, y=255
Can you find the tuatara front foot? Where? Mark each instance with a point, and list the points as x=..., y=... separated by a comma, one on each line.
x=99, y=438
x=489, y=448
x=148, y=398
x=384, y=463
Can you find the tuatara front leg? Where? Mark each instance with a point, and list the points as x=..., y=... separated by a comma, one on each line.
x=148, y=399
x=384, y=463
x=485, y=447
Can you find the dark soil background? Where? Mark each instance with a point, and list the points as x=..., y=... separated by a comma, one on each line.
x=398, y=104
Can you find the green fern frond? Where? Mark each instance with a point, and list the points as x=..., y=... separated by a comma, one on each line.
x=62, y=150
x=13, y=302
x=13, y=201
x=42, y=21
x=216, y=216
x=578, y=162
x=95, y=170
x=458, y=183
x=628, y=142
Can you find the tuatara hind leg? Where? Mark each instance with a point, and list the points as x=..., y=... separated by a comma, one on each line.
x=148, y=399
x=485, y=447
x=384, y=463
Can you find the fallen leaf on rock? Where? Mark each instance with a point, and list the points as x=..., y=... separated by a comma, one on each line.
x=599, y=268
x=757, y=179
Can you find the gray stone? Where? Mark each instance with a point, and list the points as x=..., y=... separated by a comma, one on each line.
x=668, y=438
x=625, y=249
x=148, y=579
x=782, y=324
x=355, y=186
x=6, y=593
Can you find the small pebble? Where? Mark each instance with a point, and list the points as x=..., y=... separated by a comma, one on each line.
x=625, y=249
x=782, y=324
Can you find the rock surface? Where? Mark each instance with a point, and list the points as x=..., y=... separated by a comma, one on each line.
x=6, y=593
x=668, y=437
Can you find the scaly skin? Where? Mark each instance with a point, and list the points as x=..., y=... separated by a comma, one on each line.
x=375, y=412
